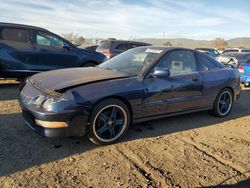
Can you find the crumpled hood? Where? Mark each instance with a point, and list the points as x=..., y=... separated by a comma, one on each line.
x=62, y=79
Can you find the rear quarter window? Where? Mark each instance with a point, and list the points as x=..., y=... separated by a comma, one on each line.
x=15, y=35
x=206, y=63
x=104, y=45
x=137, y=45
x=122, y=47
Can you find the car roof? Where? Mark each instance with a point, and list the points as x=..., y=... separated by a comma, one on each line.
x=204, y=48
x=14, y=25
x=165, y=48
x=125, y=41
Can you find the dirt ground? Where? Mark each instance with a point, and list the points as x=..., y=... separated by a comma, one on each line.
x=195, y=150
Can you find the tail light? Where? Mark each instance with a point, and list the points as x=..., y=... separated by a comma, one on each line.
x=108, y=54
x=241, y=69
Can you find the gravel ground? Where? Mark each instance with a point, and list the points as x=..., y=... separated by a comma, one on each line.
x=195, y=150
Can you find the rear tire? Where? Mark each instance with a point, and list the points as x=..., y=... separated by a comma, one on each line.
x=109, y=121
x=223, y=103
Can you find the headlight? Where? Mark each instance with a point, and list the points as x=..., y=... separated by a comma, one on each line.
x=47, y=103
x=38, y=100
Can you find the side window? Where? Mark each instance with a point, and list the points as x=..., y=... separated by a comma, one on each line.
x=134, y=45
x=205, y=63
x=45, y=39
x=14, y=35
x=122, y=47
x=179, y=62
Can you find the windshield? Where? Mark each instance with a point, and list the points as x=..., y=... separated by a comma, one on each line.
x=133, y=61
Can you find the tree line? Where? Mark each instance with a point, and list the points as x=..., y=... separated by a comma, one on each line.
x=218, y=43
x=74, y=38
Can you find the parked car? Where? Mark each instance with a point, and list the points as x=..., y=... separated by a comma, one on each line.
x=92, y=48
x=26, y=50
x=211, y=52
x=112, y=47
x=236, y=50
x=240, y=60
x=141, y=84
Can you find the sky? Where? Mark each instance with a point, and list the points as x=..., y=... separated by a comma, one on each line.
x=126, y=19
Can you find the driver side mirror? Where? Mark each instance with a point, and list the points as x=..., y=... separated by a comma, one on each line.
x=160, y=72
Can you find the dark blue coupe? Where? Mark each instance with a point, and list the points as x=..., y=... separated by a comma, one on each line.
x=141, y=84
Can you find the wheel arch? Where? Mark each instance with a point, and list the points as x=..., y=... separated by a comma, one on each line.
x=227, y=87
x=122, y=99
x=89, y=61
x=232, y=90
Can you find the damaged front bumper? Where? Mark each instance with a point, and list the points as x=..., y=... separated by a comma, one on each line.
x=55, y=123
x=76, y=121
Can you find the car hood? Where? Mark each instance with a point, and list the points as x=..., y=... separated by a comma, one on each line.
x=62, y=79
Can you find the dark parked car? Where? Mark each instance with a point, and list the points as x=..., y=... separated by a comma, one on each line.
x=92, y=48
x=210, y=51
x=141, y=84
x=111, y=48
x=240, y=60
x=25, y=50
x=230, y=50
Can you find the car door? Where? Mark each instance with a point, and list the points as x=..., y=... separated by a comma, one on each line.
x=53, y=52
x=21, y=54
x=181, y=91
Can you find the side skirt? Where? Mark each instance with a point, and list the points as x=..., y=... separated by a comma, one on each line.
x=170, y=114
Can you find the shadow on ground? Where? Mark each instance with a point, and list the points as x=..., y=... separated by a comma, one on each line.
x=21, y=148
x=242, y=184
x=8, y=91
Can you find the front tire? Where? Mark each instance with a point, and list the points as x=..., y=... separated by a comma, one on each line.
x=223, y=103
x=109, y=121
